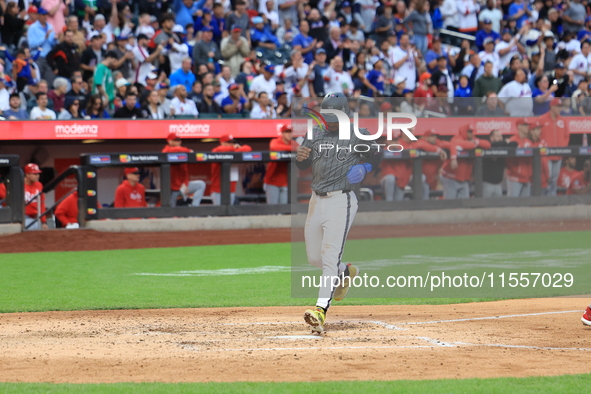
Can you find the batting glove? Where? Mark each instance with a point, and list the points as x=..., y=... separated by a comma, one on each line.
x=358, y=172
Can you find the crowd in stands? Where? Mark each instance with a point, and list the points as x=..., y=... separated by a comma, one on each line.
x=77, y=59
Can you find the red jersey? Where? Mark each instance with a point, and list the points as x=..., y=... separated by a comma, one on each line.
x=276, y=174
x=31, y=209
x=67, y=210
x=565, y=176
x=401, y=169
x=463, y=172
x=421, y=93
x=431, y=167
x=179, y=173
x=545, y=171
x=2, y=193
x=127, y=196
x=578, y=182
x=554, y=131
x=519, y=169
x=215, y=168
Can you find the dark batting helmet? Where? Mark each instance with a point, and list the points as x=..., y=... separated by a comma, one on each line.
x=335, y=101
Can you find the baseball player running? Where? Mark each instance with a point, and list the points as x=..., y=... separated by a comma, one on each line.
x=332, y=205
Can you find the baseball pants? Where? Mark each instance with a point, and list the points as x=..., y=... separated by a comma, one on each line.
x=491, y=190
x=518, y=189
x=327, y=225
x=36, y=226
x=553, y=171
x=196, y=188
x=391, y=191
x=216, y=198
x=276, y=194
x=453, y=189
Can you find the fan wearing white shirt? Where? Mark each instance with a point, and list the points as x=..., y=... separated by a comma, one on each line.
x=336, y=79
x=294, y=74
x=225, y=80
x=264, y=82
x=177, y=52
x=180, y=105
x=263, y=108
x=495, y=15
x=580, y=63
x=144, y=26
x=405, y=62
x=144, y=59
x=517, y=96
x=489, y=55
x=271, y=14
x=41, y=111
x=508, y=47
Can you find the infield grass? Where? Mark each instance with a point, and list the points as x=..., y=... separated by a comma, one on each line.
x=219, y=276
x=554, y=384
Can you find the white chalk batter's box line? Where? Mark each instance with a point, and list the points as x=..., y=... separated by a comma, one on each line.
x=432, y=341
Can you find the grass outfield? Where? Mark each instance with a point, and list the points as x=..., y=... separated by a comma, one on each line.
x=554, y=384
x=220, y=276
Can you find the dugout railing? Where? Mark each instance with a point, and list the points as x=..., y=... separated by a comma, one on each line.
x=13, y=176
x=92, y=163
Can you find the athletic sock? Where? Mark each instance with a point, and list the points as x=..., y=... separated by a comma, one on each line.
x=343, y=268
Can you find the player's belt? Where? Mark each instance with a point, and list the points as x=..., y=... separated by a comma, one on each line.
x=332, y=193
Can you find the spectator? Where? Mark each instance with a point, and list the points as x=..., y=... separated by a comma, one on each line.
x=239, y=17
x=473, y=70
x=296, y=76
x=196, y=93
x=375, y=79
x=264, y=82
x=467, y=18
x=408, y=106
x=129, y=110
x=580, y=100
x=103, y=78
x=184, y=76
x=386, y=22
x=449, y=12
x=262, y=39
x=487, y=82
x=318, y=25
x=489, y=55
x=463, y=98
x=573, y=16
x=433, y=55
x=288, y=9
x=92, y=56
x=227, y=144
x=585, y=34
x=563, y=80
x=486, y=32
x=492, y=13
x=14, y=22
x=180, y=106
x=508, y=48
x=185, y=10
x=581, y=183
x=164, y=35
x=520, y=11
x=14, y=112
x=493, y=169
x=345, y=15
x=491, y=109
x=283, y=109
x=235, y=103
x=580, y=63
x=442, y=80
x=63, y=58
x=218, y=22
x=58, y=94
x=548, y=50
x=124, y=57
x=234, y=49
x=543, y=94
x=399, y=86
x=338, y=80
x=34, y=89
x=144, y=59
x=319, y=70
x=366, y=13
x=95, y=108
x=262, y=108
x=130, y=193
x=22, y=71
x=208, y=105
x=355, y=34
x=165, y=102
x=42, y=34
x=405, y=62
x=206, y=51
x=287, y=32
x=516, y=96
x=271, y=15
x=153, y=109
x=79, y=37
x=71, y=109
x=419, y=22
x=41, y=111
x=144, y=26
x=225, y=79
x=304, y=43
x=57, y=10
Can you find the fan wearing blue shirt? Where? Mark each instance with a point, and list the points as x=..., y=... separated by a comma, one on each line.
x=520, y=11
x=304, y=43
x=184, y=75
x=485, y=33
x=376, y=78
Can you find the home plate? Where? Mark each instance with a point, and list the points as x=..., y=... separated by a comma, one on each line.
x=296, y=337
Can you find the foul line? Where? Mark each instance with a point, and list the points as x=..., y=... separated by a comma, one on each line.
x=490, y=317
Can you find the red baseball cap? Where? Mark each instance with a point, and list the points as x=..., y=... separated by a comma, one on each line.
x=535, y=124
x=233, y=86
x=424, y=76
x=131, y=170
x=556, y=101
x=429, y=133
x=172, y=136
x=32, y=9
x=32, y=168
x=385, y=107
x=286, y=128
x=227, y=138
x=523, y=121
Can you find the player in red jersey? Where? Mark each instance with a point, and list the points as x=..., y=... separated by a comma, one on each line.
x=276, y=176
x=34, y=191
x=227, y=144
x=131, y=193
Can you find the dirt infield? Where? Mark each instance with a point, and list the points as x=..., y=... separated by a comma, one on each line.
x=497, y=339
x=84, y=240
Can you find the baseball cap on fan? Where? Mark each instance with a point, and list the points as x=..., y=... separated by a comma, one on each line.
x=131, y=170
x=32, y=168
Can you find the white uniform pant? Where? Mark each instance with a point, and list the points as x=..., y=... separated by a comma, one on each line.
x=276, y=194
x=327, y=225
x=196, y=188
x=518, y=189
x=36, y=226
x=553, y=171
x=453, y=189
x=216, y=198
x=490, y=190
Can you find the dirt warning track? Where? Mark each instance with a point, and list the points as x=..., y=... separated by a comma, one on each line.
x=505, y=338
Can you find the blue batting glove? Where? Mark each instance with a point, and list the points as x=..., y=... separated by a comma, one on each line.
x=358, y=172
